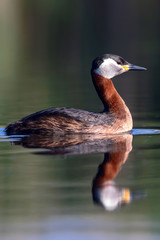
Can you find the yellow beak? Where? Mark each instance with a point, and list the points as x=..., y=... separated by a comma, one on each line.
x=126, y=67
x=131, y=67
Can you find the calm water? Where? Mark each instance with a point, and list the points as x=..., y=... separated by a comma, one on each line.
x=48, y=194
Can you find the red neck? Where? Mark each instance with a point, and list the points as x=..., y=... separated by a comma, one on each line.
x=109, y=96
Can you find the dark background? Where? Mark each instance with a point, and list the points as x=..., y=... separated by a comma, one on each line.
x=46, y=50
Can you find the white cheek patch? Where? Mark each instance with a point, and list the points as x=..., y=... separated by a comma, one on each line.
x=109, y=69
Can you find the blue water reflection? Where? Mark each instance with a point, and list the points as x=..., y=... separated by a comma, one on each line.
x=144, y=131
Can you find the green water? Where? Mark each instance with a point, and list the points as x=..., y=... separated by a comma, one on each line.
x=46, y=195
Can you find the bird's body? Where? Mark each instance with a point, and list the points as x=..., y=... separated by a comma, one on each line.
x=115, y=118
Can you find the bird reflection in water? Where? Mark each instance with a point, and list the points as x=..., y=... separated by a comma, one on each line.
x=104, y=190
x=116, y=149
x=72, y=144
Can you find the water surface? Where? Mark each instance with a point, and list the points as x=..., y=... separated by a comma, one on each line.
x=47, y=193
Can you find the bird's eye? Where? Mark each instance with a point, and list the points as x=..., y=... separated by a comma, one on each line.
x=121, y=61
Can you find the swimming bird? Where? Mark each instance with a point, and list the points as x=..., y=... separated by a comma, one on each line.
x=115, y=118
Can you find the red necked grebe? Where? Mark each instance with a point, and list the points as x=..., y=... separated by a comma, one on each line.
x=115, y=118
